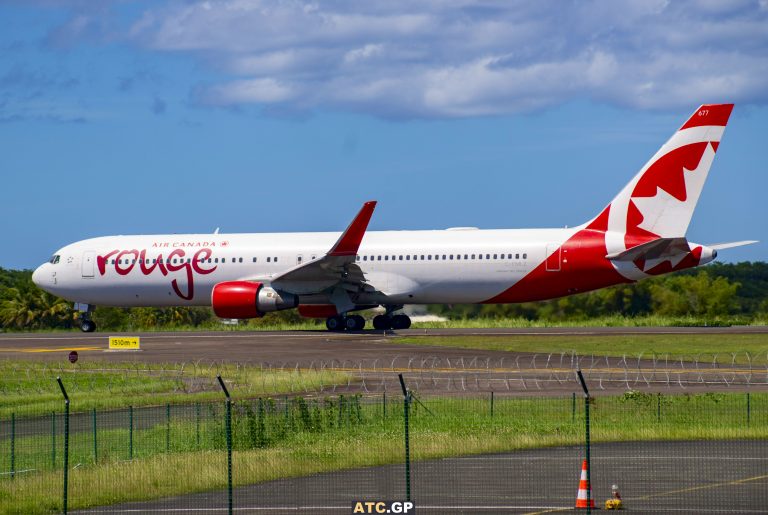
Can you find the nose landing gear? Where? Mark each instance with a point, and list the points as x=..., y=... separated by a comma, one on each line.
x=86, y=324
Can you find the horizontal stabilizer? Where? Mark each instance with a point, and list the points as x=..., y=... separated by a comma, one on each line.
x=721, y=246
x=661, y=248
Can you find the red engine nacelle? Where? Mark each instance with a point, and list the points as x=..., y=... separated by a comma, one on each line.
x=245, y=299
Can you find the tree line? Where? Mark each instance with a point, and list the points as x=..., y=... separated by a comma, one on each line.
x=737, y=292
x=733, y=291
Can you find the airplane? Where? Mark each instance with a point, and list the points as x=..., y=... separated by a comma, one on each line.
x=641, y=233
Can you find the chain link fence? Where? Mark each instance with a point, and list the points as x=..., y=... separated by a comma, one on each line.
x=483, y=452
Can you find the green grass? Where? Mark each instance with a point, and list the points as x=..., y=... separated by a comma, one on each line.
x=316, y=436
x=604, y=321
x=705, y=347
x=29, y=387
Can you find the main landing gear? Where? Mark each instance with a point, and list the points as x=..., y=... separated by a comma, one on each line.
x=345, y=323
x=384, y=322
x=380, y=322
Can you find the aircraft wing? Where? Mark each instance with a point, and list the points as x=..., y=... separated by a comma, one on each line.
x=336, y=271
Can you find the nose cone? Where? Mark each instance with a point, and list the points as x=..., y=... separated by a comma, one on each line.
x=37, y=276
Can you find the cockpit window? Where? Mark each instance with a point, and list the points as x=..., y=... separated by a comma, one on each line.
x=55, y=259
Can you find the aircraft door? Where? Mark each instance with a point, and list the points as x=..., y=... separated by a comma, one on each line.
x=553, y=257
x=89, y=259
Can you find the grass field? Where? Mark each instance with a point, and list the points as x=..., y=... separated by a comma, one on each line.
x=300, y=437
x=745, y=347
x=29, y=387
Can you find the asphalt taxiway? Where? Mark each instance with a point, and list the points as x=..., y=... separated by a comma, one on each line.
x=699, y=477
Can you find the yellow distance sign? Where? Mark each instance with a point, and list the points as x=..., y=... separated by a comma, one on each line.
x=124, y=343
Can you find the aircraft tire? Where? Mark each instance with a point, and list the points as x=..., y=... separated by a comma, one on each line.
x=87, y=326
x=335, y=323
x=382, y=322
x=401, y=322
x=354, y=323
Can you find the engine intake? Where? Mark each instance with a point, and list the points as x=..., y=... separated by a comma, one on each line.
x=245, y=299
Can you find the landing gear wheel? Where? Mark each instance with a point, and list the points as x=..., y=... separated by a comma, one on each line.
x=382, y=322
x=401, y=322
x=354, y=323
x=87, y=326
x=335, y=323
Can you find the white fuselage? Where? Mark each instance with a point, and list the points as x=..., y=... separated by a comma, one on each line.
x=412, y=267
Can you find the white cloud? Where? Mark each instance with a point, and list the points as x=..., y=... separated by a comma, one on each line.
x=447, y=58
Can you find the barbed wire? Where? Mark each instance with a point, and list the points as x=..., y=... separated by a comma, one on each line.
x=523, y=372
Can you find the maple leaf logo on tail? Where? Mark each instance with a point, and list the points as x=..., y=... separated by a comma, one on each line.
x=659, y=201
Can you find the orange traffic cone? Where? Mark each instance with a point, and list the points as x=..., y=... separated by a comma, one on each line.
x=581, y=498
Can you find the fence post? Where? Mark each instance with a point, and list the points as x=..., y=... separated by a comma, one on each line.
x=13, y=445
x=229, y=443
x=748, y=409
x=53, y=440
x=95, y=443
x=406, y=409
x=130, y=432
x=197, y=423
x=167, y=427
x=66, y=443
x=658, y=407
x=491, y=403
x=586, y=438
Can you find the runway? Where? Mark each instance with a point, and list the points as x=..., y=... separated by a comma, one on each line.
x=298, y=347
x=653, y=477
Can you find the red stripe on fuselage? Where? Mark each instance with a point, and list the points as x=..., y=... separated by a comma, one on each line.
x=583, y=268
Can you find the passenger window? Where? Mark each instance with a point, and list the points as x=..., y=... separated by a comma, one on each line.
x=275, y=259
x=408, y=257
x=378, y=258
x=479, y=256
x=466, y=256
x=365, y=258
x=401, y=258
x=443, y=256
x=386, y=258
x=269, y=260
x=458, y=256
x=525, y=256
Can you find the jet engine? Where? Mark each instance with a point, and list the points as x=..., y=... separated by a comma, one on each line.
x=245, y=299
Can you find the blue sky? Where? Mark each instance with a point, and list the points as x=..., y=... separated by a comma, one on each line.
x=256, y=116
